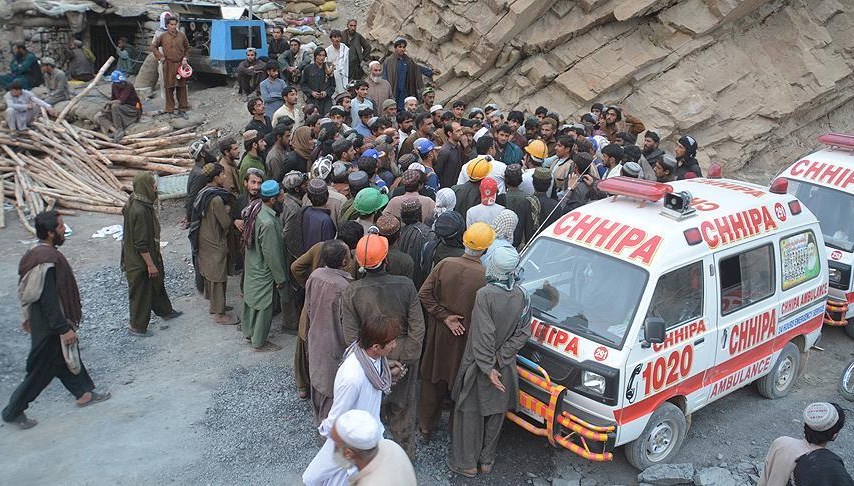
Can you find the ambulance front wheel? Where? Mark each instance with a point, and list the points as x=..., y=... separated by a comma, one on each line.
x=661, y=438
x=779, y=382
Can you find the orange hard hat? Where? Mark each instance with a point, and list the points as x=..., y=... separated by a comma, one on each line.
x=478, y=168
x=537, y=149
x=371, y=250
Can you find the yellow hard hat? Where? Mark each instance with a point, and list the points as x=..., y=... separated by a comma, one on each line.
x=537, y=149
x=478, y=168
x=479, y=236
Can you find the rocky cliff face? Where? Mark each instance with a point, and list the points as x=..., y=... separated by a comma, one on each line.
x=753, y=81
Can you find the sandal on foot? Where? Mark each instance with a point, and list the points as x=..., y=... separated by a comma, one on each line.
x=96, y=398
x=303, y=394
x=485, y=468
x=469, y=473
x=23, y=422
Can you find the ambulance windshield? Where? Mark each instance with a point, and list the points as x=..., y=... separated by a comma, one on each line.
x=832, y=208
x=585, y=292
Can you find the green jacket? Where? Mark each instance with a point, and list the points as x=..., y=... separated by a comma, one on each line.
x=265, y=261
x=250, y=161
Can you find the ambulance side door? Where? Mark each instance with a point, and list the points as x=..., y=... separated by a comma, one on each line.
x=676, y=366
x=803, y=290
x=747, y=314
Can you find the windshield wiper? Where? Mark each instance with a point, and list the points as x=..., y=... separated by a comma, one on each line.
x=546, y=314
x=585, y=330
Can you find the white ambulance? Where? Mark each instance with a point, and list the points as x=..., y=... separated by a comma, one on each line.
x=824, y=182
x=651, y=304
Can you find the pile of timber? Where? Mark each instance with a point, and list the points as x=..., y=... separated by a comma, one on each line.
x=59, y=165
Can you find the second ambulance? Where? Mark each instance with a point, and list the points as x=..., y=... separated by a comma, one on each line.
x=653, y=303
x=824, y=182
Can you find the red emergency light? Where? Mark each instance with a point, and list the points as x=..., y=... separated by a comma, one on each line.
x=635, y=188
x=837, y=140
x=795, y=207
x=693, y=236
x=715, y=171
x=780, y=185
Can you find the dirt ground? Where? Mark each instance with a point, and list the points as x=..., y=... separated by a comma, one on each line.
x=194, y=405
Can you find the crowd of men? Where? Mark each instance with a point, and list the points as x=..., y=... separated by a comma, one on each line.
x=385, y=229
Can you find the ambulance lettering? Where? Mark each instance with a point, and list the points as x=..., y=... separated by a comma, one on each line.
x=799, y=301
x=680, y=334
x=739, y=377
x=822, y=172
x=735, y=227
x=668, y=370
x=701, y=204
x=616, y=238
x=752, y=332
x=554, y=337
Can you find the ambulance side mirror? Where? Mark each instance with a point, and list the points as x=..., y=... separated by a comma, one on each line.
x=654, y=330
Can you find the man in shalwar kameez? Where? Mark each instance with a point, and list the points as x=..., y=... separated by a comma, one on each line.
x=264, y=271
x=362, y=380
x=487, y=383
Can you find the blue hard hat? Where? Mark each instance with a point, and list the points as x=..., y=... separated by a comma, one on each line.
x=372, y=153
x=118, y=76
x=269, y=188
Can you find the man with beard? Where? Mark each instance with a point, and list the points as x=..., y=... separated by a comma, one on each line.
x=379, y=90
x=381, y=295
x=616, y=121
x=254, y=145
x=293, y=61
x=359, y=443
x=360, y=50
x=271, y=90
x=428, y=99
x=24, y=68
x=275, y=160
x=265, y=266
x=404, y=74
x=449, y=161
x=229, y=152
x=209, y=228
x=141, y=260
x=505, y=150
x=318, y=84
x=686, y=162
x=423, y=129
x=487, y=383
x=651, y=151
x=52, y=310
x=249, y=73
x=363, y=379
x=448, y=298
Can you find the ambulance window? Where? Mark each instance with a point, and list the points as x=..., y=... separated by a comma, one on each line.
x=799, y=258
x=678, y=295
x=746, y=278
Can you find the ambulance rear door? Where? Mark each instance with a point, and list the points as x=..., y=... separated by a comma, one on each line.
x=746, y=278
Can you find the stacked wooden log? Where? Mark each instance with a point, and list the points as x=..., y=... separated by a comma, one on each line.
x=56, y=164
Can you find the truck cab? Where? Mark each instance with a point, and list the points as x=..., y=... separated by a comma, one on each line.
x=654, y=302
x=824, y=182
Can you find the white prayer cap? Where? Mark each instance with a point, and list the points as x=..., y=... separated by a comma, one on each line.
x=435, y=108
x=410, y=98
x=820, y=416
x=358, y=429
x=374, y=63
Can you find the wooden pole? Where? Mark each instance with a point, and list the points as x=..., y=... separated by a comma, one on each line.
x=86, y=90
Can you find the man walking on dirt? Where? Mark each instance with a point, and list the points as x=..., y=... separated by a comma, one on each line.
x=175, y=49
x=52, y=312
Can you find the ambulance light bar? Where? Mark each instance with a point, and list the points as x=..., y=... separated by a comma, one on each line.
x=837, y=140
x=780, y=185
x=715, y=171
x=635, y=188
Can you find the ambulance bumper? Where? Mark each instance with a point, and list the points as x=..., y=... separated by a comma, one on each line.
x=545, y=412
x=835, y=312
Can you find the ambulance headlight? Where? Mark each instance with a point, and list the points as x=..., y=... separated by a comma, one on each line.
x=593, y=382
x=839, y=275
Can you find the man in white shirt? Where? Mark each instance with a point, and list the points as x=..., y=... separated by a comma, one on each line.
x=362, y=380
x=339, y=55
x=289, y=109
x=359, y=442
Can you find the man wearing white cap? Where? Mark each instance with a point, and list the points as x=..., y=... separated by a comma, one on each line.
x=359, y=442
x=363, y=379
x=822, y=423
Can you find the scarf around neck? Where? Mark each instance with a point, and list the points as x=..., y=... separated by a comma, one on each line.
x=66, y=284
x=380, y=381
